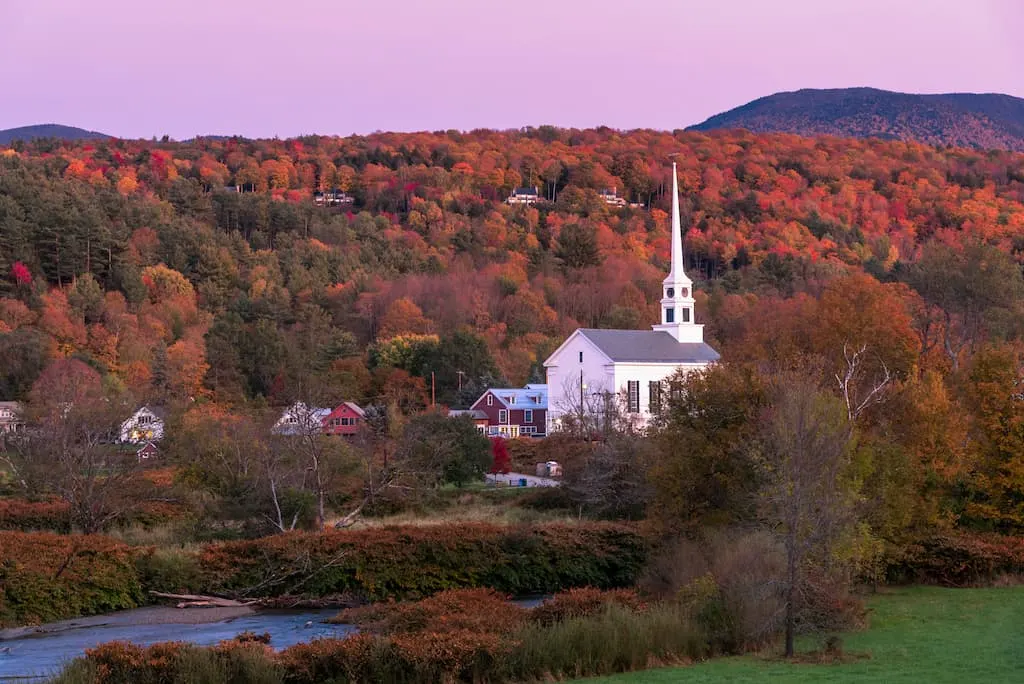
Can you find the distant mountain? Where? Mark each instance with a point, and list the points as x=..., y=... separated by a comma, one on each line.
x=48, y=131
x=987, y=121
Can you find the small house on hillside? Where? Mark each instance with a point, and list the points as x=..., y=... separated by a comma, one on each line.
x=331, y=198
x=299, y=419
x=147, y=451
x=344, y=420
x=524, y=196
x=145, y=425
x=611, y=197
x=515, y=412
x=10, y=417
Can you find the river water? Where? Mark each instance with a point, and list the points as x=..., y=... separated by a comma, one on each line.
x=39, y=656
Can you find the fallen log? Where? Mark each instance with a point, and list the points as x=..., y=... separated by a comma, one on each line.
x=199, y=601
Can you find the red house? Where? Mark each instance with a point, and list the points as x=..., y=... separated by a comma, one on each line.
x=515, y=412
x=344, y=420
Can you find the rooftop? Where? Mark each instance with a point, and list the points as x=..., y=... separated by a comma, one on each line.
x=648, y=346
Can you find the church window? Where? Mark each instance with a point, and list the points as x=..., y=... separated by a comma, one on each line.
x=684, y=292
x=686, y=315
x=633, y=389
x=670, y=292
x=654, y=388
x=581, y=357
x=670, y=315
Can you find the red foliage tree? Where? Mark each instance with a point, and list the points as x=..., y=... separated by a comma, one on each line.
x=20, y=273
x=501, y=460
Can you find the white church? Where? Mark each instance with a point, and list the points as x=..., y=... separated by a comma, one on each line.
x=631, y=365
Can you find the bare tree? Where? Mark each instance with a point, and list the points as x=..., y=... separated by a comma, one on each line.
x=859, y=386
x=807, y=497
x=69, y=451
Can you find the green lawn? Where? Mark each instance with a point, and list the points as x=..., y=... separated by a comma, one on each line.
x=922, y=635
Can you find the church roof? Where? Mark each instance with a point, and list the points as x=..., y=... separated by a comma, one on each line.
x=648, y=346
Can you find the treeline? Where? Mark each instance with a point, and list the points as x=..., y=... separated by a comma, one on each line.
x=134, y=257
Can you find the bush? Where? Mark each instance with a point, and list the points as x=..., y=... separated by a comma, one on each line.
x=477, y=610
x=956, y=560
x=413, y=562
x=51, y=515
x=168, y=570
x=45, y=577
x=729, y=583
x=124, y=663
x=577, y=603
x=616, y=639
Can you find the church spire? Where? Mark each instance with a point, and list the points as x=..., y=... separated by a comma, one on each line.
x=677, y=271
x=677, y=304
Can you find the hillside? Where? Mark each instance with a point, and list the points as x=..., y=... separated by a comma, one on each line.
x=48, y=131
x=984, y=121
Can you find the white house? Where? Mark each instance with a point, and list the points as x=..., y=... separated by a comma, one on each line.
x=524, y=196
x=10, y=417
x=299, y=419
x=145, y=425
x=592, y=365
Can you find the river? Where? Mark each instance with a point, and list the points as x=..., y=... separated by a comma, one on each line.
x=41, y=652
x=40, y=655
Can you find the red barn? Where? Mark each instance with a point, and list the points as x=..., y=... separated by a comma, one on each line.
x=344, y=420
x=515, y=412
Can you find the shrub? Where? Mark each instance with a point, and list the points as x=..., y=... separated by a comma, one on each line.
x=45, y=577
x=616, y=639
x=412, y=562
x=168, y=570
x=577, y=603
x=21, y=514
x=956, y=560
x=476, y=610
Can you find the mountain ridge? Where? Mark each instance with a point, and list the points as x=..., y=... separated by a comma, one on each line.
x=977, y=120
x=49, y=130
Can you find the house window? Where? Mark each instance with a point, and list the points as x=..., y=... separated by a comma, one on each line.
x=686, y=315
x=655, y=399
x=345, y=421
x=633, y=387
x=528, y=430
x=676, y=391
x=581, y=357
x=503, y=416
x=528, y=416
x=670, y=315
x=512, y=399
x=490, y=400
x=492, y=430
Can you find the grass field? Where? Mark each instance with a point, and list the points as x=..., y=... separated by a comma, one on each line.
x=923, y=635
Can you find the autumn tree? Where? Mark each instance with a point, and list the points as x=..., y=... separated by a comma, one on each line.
x=808, y=490
x=70, y=451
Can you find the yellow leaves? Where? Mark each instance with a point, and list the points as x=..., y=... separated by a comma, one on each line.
x=127, y=184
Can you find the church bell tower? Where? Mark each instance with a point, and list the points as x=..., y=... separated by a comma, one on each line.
x=677, y=315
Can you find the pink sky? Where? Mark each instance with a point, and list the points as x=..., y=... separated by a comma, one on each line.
x=137, y=68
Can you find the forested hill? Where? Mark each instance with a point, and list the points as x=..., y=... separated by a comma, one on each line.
x=983, y=121
x=25, y=133
x=205, y=269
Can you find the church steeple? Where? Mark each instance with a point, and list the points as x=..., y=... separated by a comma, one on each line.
x=677, y=290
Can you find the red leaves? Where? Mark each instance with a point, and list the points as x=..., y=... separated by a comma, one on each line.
x=499, y=449
x=20, y=274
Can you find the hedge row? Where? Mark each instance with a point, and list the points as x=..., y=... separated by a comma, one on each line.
x=54, y=515
x=956, y=560
x=45, y=577
x=417, y=561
